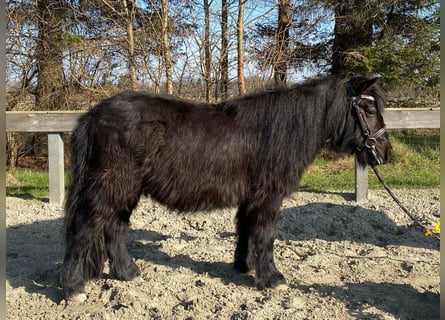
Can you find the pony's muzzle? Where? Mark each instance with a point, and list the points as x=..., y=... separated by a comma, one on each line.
x=380, y=154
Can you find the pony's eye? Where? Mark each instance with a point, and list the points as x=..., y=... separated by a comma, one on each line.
x=371, y=110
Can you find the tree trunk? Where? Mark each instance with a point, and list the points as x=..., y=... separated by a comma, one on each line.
x=282, y=42
x=240, y=47
x=130, y=11
x=166, y=47
x=352, y=29
x=12, y=149
x=49, y=55
x=207, y=52
x=224, y=50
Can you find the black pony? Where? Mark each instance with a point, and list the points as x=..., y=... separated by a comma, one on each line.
x=249, y=153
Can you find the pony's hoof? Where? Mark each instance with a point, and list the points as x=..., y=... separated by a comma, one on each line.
x=275, y=281
x=244, y=270
x=127, y=273
x=282, y=287
x=250, y=272
x=77, y=298
x=242, y=267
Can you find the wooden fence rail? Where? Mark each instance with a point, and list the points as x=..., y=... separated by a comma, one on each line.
x=56, y=123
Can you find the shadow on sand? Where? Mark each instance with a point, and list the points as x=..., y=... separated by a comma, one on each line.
x=35, y=254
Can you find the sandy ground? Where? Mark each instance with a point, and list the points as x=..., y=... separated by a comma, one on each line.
x=341, y=261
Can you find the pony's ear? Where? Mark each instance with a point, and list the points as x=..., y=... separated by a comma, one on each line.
x=359, y=84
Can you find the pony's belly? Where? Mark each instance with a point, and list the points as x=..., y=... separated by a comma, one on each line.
x=200, y=195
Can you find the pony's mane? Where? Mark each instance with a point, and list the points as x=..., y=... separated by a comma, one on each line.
x=285, y=124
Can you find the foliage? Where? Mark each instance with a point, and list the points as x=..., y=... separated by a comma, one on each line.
x=93, y=55
x=309, y=41
x=405, y=53
x=404, y=49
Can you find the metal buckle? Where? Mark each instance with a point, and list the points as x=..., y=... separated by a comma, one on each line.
x=370, y=143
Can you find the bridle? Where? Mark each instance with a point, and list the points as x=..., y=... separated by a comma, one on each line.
x=370, y=139
x=370, y=142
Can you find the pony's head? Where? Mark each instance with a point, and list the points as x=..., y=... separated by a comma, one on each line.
x=365, y=131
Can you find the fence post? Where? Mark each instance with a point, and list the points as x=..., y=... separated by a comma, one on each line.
x=56, y=168
x=361, y=182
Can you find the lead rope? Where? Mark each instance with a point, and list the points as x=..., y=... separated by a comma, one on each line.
x=427, y=232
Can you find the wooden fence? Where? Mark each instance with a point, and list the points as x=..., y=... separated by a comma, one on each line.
x=59, y=122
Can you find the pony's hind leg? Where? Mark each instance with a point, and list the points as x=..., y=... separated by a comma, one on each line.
x=84, y=253
x=256, y=236
x=122, y=266
x=97, y=222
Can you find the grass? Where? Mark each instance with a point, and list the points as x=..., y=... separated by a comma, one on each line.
x=31, y=184
x=416, y=165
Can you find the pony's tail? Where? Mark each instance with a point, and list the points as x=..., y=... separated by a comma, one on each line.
x=81, y=147
x=84, y=255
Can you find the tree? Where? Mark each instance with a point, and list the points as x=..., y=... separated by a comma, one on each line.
x=282, y=42
x=298, y=39
x=166, y=46
x=20, y=57
x=207, y=51
x=130, y=10
x=125, y=11
x=353, y=29
x=224, y=50
x=240, y=47
x=50, y=14
x=398, y=40
x=99, y=47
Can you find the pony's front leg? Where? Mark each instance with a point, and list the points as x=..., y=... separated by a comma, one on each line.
x=256, y=232
x=262, y=246
x=244, y=259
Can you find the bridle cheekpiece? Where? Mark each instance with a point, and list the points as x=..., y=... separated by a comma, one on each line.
x=370, y=139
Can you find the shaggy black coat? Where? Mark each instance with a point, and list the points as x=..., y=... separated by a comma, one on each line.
x=249, y=153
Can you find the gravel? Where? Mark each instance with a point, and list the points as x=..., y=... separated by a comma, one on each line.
x=342, y=260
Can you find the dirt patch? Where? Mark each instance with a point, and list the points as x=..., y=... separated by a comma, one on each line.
x=341, y=261
x=11, y=181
